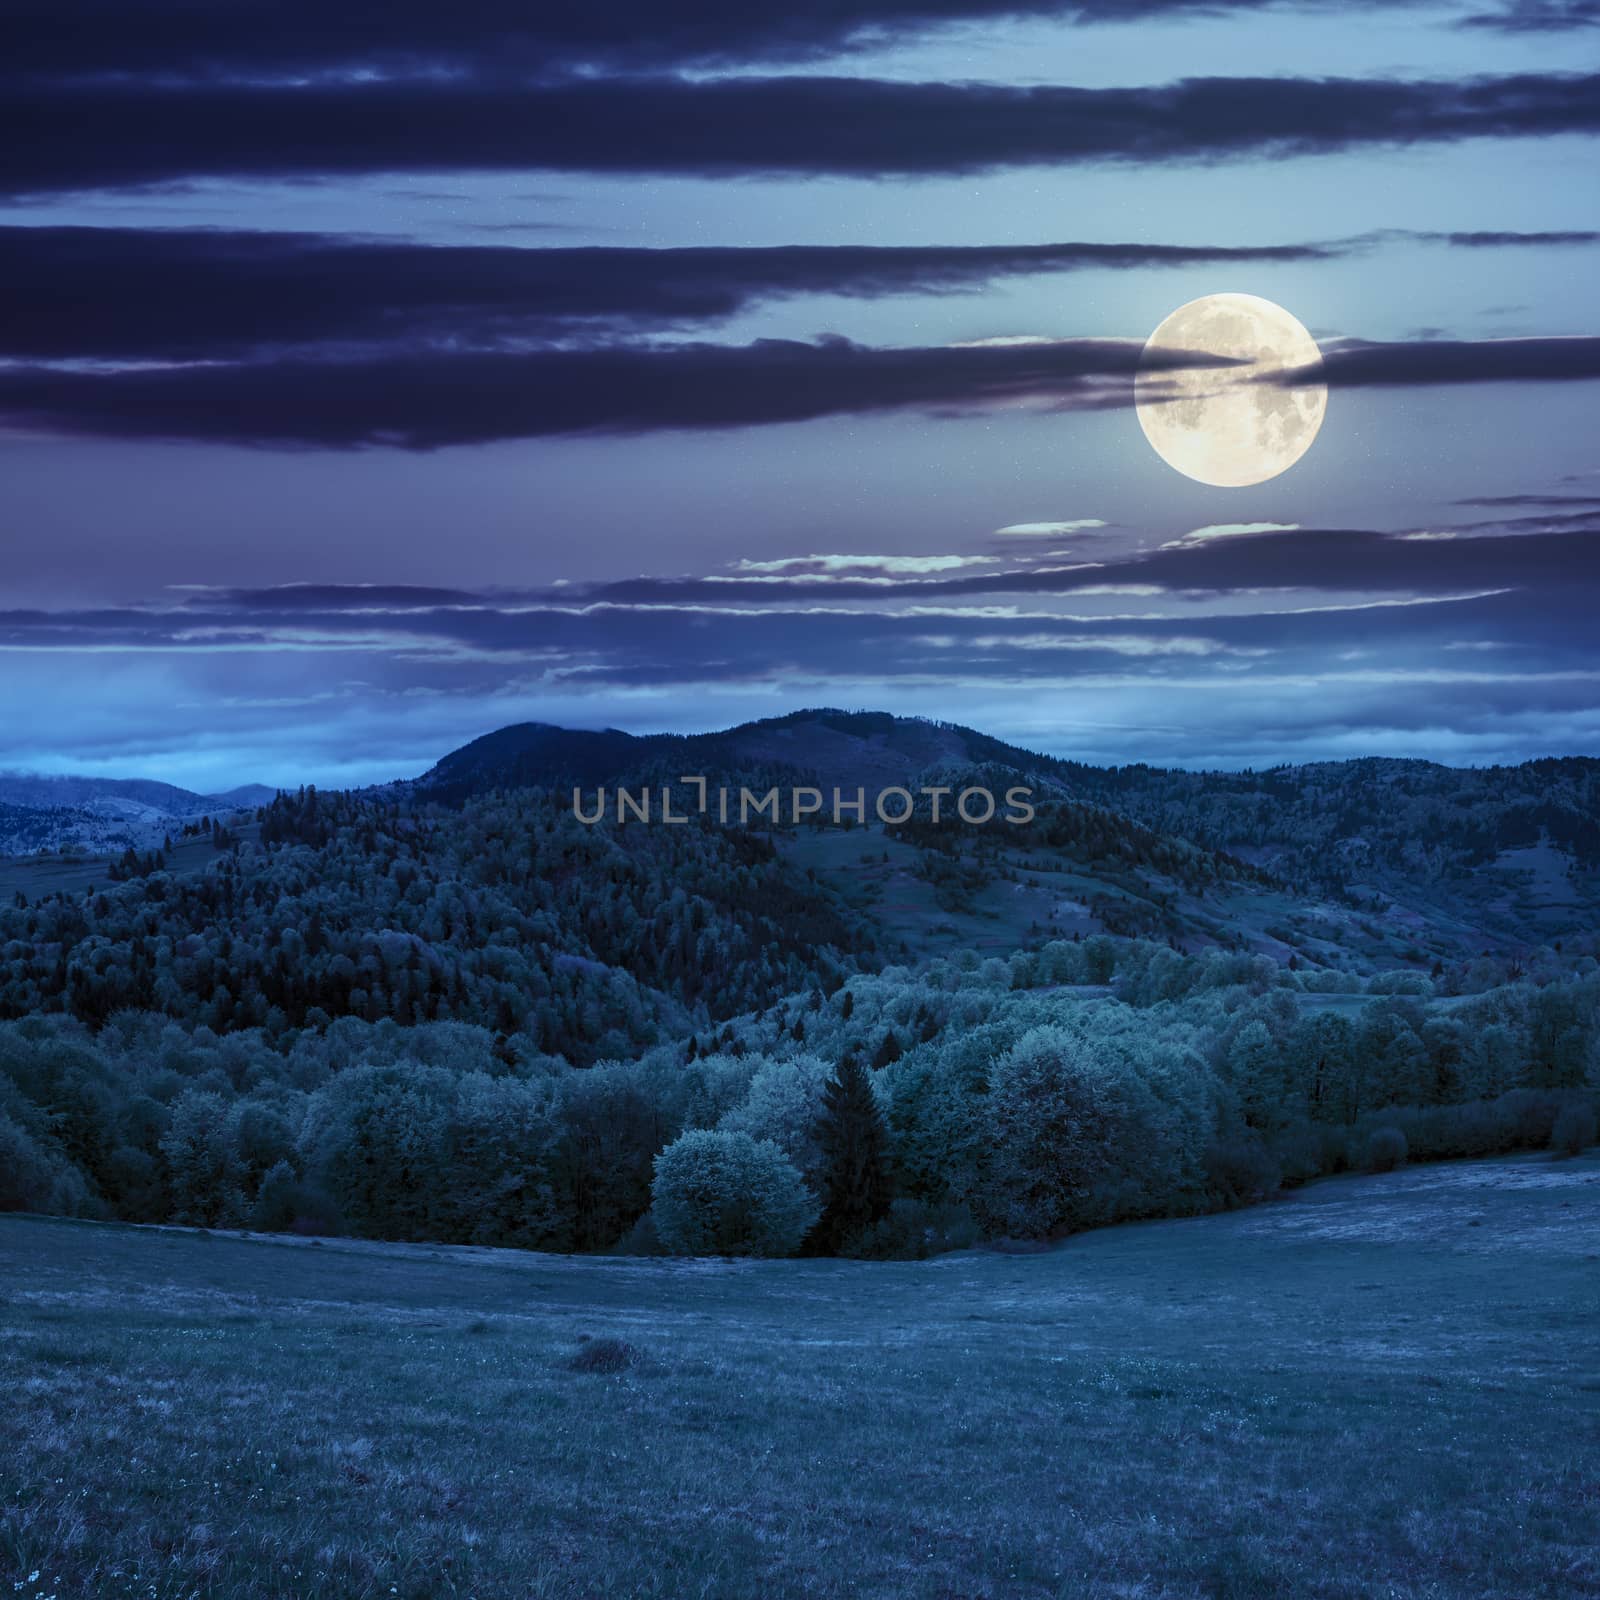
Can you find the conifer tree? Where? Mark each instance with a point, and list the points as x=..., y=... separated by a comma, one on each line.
x=856, y=1183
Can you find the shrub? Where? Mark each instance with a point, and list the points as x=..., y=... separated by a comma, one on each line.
x=912, y=1231
x=721, y=1193
x=1386, y=1150
x=1051, y=1124
x=287, y=1204
x=1302, y=1152
x=1240, y=1170
x=640, y=1240
x=1574, y=1129
x=604, y=1355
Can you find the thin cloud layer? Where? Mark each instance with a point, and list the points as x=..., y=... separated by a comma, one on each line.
x=1536, y=16
x=1327, y=631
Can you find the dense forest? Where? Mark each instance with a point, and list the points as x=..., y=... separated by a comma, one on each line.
x=508, y=914
x=1333, y=822
x=487, y=1022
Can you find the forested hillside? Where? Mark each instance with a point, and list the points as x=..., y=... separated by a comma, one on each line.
x=1482, y=854
x=508, y=914
x=1395, y=821
x=457, y=1012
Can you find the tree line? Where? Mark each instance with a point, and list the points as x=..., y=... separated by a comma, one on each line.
x=888, y=1112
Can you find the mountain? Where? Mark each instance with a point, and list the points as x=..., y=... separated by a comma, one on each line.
x=133, y=795
x=1367, y=864
x=247, y=796
x=1513, y=850
x=537, y=754
x=1440, y=859
x=872, y=750
x=39, y=812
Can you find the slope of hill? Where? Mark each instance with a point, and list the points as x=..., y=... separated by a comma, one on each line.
x=1513, y=851
x=137, y=796
x=508, y=914
x=483, y=1023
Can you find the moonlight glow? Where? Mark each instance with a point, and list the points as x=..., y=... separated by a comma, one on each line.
x=1231, y=425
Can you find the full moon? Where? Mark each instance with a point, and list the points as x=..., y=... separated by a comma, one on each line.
x=1230, y=425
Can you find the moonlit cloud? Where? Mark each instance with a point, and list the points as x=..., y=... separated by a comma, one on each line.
x=1119, y=644
x=1228, y=530
x=794, y=566
x=1300, y=630
x=1049, y=530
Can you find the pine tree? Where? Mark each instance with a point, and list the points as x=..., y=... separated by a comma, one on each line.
x=856, y=1183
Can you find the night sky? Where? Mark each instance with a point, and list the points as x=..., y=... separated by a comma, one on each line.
x=372, y=376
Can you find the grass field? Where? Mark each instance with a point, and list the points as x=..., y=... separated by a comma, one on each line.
x=1379, y=1386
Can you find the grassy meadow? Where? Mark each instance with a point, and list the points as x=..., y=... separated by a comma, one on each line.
x=1375, y=1386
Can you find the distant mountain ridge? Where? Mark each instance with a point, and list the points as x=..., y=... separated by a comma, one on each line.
x=44, y=812
x=1513, y=851
x=44, y=791
x=872, y=750
x=1516, y=848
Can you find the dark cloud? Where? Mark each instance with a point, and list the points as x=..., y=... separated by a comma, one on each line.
x=77, y=136
x=1493, y=239
x=1536, y=16
x=251, y=39
x=120, y=293
x=209, y=294
x=1527, y=500
x=376, y=598
x=1433, y=361
x=428, y=399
